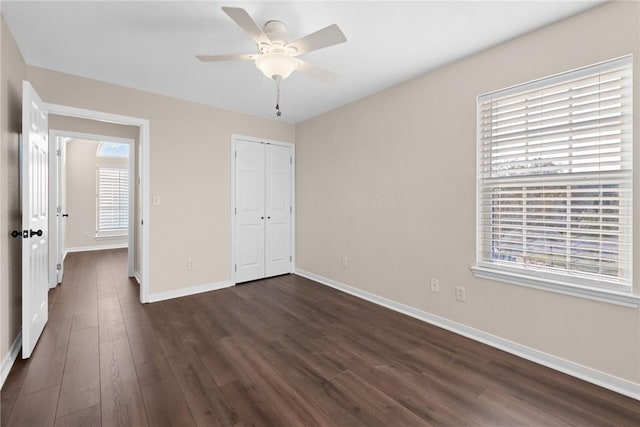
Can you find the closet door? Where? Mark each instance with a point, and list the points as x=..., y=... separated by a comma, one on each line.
x=250, y=211
x=278, y=210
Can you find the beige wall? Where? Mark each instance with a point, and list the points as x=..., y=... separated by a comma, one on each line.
x=389, y=182
x=189, y=170
x=81, y=165
x=94, y=127
x=12, y=73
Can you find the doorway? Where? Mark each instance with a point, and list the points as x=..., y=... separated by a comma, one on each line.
x=92, y=201
x=142, y=181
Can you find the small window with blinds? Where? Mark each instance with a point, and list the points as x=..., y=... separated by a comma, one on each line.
x=113, y=200
x=555, y=178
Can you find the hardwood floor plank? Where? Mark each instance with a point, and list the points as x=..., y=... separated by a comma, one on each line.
x=89, y=417
x=109, y=311
x=166, y=405
x=204, y=399
x=46, y=366
x=35, y=409
x=389, y=381
x=526, y=413
x=335, y=404
x=120, y=390
x=293, y=408
x=11, y=389
x=86, y=307
x=214, y=358
x=81, y=382
x=386, y=410
x=251, y=406
x=123, y=406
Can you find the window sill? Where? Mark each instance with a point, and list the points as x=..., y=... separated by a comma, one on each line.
x=609, y=296
x=111, y=236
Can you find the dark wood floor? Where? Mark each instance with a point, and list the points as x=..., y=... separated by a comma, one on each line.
x=280, y=352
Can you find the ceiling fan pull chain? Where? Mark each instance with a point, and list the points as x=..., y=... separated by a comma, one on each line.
x=278, y=112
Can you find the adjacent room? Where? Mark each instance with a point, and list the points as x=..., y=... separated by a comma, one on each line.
x=319, y=213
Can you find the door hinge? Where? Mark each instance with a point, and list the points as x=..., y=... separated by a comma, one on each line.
x=290, y=160
x=141, y=222
x=290, y=258
x=290, y=209
x=236, y=154
x=59, y=209
x=58, y=152
x=58, y=266
x=236, y=267
x=235, y=211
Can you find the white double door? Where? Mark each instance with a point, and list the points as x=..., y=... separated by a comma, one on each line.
x=263, y=211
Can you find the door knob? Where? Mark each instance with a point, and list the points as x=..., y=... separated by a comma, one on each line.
x=65, y=215
x=35, y=233
x=17, y=233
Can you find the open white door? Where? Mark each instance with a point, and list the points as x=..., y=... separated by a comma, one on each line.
x=62, y=204
x=56, y=234
x=34, y=185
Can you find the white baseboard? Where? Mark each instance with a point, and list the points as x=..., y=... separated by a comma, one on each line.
x=136, y=275
x=161, y=296
x=95, y=248
x=585, y=373
x=10, y=358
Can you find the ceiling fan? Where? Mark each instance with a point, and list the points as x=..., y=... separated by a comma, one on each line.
x=277, y=57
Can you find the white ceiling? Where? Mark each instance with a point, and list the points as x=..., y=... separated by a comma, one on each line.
x=152, y=45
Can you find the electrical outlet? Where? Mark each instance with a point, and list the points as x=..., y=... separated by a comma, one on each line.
x=345, y=262
x=190, y=264
x=461, y=294
x=435, y=285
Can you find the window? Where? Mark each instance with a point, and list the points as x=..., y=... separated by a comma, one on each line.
x=113, y=149
x=113, y=200
x=554, y=180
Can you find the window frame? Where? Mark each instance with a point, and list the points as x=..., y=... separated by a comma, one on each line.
x=541, y=277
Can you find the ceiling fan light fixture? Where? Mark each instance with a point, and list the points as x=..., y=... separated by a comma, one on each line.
x=276, y=64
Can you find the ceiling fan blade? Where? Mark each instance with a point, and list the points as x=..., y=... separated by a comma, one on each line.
x=246, y=22
x=325, y=37
x=316, y=72
x=218, y=58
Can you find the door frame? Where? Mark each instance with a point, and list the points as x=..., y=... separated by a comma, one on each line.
x=143, y=125
x=234, y=139
x=54, y=134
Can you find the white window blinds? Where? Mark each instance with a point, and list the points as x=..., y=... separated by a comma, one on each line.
x=555, y=175
x=113, y=199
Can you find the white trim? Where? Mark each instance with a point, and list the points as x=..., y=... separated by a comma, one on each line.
x=10, y=358
x=576, y=73
x=110, y=236
x=292, y=147
x=136, y=276
x=183, y=292
x=585, y=373
x=548, y=284
x=143, y=124
x=96, y=248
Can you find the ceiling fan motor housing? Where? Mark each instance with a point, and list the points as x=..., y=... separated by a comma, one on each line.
x=277, y=32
